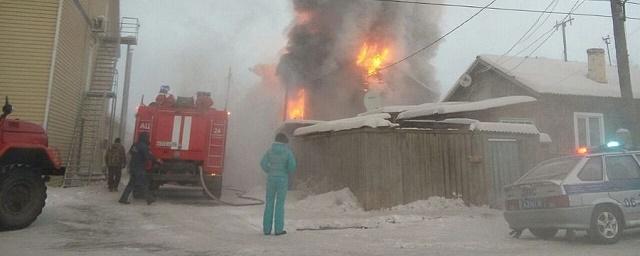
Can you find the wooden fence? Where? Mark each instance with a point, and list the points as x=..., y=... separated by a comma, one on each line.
x=388, y=167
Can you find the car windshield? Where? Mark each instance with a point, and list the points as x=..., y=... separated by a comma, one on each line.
x=556, y=169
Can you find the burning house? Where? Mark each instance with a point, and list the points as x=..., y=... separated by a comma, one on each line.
x=338, y=52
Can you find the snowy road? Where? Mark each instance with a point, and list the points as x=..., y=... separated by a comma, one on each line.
x=89, y=221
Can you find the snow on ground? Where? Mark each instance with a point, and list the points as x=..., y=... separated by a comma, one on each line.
x=89, y=221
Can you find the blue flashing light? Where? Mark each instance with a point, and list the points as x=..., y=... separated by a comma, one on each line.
x=613, y=144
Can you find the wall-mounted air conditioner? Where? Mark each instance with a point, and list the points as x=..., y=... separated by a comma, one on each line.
x=99, y=24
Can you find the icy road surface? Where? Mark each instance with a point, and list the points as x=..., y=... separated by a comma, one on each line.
x=89, y=221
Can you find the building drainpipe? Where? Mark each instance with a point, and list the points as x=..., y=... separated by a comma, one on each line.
x=54, y=56
x=125, y=95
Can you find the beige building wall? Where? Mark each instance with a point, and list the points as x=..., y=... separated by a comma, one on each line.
x=47, y=50
x=75, y=52
x=27, y=32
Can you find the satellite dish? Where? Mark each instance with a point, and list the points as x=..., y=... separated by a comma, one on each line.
x=373, y=100
x=465, y=81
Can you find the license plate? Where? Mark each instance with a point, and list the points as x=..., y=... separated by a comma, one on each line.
x=531, y=204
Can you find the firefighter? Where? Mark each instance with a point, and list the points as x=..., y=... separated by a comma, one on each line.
x=115, y=159
x=278, y=162
x=140, y=156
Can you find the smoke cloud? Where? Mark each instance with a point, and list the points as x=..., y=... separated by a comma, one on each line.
x=325, y=37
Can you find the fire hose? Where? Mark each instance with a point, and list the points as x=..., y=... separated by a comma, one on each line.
x=239, y=193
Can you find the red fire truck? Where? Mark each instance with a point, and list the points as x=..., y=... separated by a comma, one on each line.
x=189, y=136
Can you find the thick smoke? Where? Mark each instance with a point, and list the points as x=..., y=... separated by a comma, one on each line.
x=324, y=40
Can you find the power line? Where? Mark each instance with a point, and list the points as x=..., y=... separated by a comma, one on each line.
x=500, y=8
x=553, y=31
x=439, y=39
x=529, y=32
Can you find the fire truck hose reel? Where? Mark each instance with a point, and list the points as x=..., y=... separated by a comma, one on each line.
x=239, y=193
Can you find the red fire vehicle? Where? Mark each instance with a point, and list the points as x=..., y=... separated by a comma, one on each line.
x=26, y=162
x=189, y=136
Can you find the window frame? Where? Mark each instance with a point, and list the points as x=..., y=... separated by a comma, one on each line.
x=587, y=115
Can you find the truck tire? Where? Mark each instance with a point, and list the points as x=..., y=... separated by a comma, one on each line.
x=544, y=233
x=214, y=185
x=606, y=225
x=22, y=197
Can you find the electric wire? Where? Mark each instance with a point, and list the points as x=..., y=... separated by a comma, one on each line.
x=437, y=40
x=500, y=8
x=531, y=31
x=575, y=7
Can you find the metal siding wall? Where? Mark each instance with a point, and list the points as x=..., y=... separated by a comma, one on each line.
x=69, y=81
x=27, y=31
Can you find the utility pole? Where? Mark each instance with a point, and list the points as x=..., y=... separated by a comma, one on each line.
x=607, y=41
x=563, y=24
x=618, y=16
x=226, y=101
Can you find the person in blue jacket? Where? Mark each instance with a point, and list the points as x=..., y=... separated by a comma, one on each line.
x=278, y=162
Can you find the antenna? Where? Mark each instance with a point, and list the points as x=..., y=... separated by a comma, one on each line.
x=226, y=100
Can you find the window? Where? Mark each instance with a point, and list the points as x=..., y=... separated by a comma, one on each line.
x=589, y=129
x=556, y=169
x=516, y=120
x=592, y=170
x=622, y=168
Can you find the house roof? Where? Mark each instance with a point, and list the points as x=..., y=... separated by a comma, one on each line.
x=553, y=76
x=441, y=108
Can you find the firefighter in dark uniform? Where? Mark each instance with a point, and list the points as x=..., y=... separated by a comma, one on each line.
x=140, y=156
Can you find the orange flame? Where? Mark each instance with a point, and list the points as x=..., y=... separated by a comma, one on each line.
x=296, y=105
x=372, y=58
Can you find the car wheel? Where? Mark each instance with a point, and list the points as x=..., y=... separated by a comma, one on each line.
x=544, y=233
x=606, y=225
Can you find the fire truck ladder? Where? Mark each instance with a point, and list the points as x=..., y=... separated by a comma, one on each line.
x=215, y=159
x=93, y=129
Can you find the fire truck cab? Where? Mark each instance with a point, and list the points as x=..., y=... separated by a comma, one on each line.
x=189, y=136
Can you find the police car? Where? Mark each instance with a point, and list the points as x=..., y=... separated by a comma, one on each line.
x=595, y=192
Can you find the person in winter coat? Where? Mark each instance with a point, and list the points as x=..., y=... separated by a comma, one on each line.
x=115, y=159
x=140, y=155
x=278, y=162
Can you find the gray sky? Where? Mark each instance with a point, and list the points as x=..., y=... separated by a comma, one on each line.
x=190, y=44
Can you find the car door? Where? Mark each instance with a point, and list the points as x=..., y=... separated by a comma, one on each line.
x=623, y=173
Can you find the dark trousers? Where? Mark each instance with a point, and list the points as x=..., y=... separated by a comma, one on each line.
x=138, y=179
x=113, y=177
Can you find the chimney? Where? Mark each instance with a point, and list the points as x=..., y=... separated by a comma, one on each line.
x=597, y=66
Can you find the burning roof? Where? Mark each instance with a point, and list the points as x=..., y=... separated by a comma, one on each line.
x=336, y=50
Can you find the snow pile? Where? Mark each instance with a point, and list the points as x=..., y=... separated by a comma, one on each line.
x=389, y=109
x=373, y=121
x=476, y=125
x=545, y=138
x=545, y=75
x=505, y=127
x=432, y=204
x=340, y=201
x=441, y=108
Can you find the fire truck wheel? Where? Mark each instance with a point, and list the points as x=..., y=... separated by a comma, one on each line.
x=22, y=197
x=214, y=185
